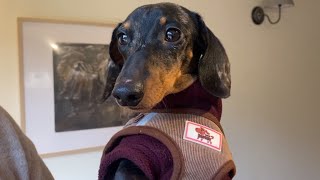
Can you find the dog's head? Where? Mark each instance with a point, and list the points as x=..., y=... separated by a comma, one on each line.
x=162, y=49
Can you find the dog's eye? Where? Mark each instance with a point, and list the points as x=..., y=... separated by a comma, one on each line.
x=123, y=39
x=173, y=35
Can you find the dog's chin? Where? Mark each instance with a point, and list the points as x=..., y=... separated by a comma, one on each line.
x=140, y=108
x=143, y=107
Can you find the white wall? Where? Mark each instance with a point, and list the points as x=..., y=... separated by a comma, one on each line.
x=271, y=119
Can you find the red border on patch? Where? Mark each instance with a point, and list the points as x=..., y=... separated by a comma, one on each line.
x=198, y=141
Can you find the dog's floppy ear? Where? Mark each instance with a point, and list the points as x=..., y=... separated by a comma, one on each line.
x=112, y=72
x=214, y=66
x=113, y=48
x=114, y=66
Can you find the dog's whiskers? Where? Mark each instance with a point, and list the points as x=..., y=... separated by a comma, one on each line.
x=165, y=106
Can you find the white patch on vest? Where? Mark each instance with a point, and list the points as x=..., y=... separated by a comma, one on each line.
x=146, y=119
x=203, y=135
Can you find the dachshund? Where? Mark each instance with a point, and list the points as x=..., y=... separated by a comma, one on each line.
x=160, y=50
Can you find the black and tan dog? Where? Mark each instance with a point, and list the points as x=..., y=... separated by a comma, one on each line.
x=161, y=51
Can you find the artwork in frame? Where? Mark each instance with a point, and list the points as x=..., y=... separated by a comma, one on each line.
x=63, y=68
x=79, y=81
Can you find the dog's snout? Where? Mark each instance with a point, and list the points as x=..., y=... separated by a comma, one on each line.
x=128, y=95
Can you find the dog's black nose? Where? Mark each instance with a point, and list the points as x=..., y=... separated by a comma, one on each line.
x=128, y=95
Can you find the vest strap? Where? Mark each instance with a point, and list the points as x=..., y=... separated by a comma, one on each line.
x=178, y=165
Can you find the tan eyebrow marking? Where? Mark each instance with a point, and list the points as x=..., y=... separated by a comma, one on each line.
x=163, y=20
x=190, y=54
x=126, y=25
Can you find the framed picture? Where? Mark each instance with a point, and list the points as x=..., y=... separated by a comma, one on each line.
x=62, y=67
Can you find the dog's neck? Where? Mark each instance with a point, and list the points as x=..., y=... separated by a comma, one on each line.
x=194, y=97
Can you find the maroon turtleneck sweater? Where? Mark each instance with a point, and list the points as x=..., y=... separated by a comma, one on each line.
x=149, y=154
